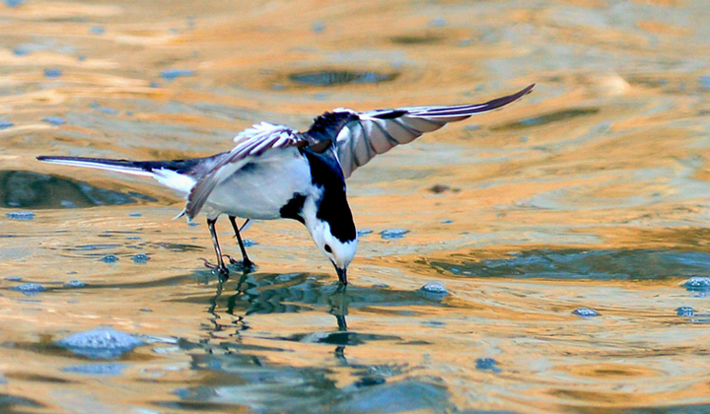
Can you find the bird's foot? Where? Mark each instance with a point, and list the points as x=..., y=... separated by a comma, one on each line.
x=247, y=265
x=220, y=268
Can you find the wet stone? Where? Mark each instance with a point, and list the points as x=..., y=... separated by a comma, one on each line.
x=74, y=284
x=363, y=232
x=20, y=215
x=14, y=3
x=436, y=288
x=30, y=289
x=487, y=364
x=97, y=30
x=393, y=233
x=101, y=343
x=13, y=278
x=585, y=312
x=135, y=214
x=54, y=120
x=685, y=311
x=6, y=124
x=698, y=284
x=705, y=81
x=109, y=258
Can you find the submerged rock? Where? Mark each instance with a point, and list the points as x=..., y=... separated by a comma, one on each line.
x=585, y=312
x=101, y=343
x=698, y=284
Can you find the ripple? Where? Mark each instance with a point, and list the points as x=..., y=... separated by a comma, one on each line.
x=589, y=264
x=340, y=77
x=563, y=115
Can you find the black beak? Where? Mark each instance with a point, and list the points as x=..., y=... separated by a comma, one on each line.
x=342, y=275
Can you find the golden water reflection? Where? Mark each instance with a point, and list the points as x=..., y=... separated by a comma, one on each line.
x=589, y=193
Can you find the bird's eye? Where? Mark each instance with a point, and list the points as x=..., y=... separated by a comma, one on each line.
x=328, y=249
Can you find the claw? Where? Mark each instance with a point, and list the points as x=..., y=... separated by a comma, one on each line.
x=223, y=271
x=247, y=265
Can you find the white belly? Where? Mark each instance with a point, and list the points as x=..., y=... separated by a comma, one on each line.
x=262, y=187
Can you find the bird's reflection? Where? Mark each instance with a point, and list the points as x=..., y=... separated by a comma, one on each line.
x=339, y=302
x=250, y=296
x=215, y=319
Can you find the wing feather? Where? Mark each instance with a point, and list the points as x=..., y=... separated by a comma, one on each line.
x=251, y=142
x=376, y=132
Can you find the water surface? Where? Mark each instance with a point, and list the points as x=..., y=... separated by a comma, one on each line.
x=554, y=235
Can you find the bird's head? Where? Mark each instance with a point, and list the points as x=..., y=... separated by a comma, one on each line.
x=339, y=252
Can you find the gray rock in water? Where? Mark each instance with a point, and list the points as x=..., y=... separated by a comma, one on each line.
x=698, y=283
x=101, y=343
x=585, y=312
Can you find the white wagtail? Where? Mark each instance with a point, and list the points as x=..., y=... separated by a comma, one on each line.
x=278, y=172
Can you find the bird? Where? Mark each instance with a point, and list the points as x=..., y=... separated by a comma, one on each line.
x=277, y=172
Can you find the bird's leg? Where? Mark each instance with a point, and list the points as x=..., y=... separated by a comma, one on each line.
x=221, y=268
x=247, y=265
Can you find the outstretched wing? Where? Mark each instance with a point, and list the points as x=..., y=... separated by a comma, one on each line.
x=376, y=132
x=251, y=142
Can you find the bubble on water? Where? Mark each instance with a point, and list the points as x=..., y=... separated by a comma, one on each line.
x=585, y=312
x=698, y=284
x=75, y=284
x=20, y=215
x=109, y=258
x=393, y=233
x=685, y=311
x=101, y=343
